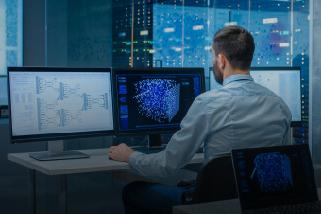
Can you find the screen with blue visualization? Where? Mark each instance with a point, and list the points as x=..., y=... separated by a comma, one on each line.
x=286, y=83
x=60, y=102
x=155, y=101
x=3, y=91
x=274, y=176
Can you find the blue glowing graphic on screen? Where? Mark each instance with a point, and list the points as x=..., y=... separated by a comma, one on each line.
x=273, y=172
x=158, y=99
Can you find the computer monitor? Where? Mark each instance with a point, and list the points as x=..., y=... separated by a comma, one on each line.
x=3, y=91
x=283, y=81
x=50, y=104
x=274, y=176
x=154, y=100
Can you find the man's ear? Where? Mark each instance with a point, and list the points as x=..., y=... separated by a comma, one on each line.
x=221, y=59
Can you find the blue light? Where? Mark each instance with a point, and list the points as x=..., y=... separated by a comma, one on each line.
x=273, y=172
x=158, y=99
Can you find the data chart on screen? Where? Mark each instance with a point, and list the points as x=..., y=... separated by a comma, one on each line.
x=60, y=102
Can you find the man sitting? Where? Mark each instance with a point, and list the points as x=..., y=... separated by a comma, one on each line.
x=241, y=114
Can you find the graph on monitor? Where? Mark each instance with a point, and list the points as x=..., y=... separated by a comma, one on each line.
x=60, y=102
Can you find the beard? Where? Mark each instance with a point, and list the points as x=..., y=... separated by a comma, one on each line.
x=218, y=74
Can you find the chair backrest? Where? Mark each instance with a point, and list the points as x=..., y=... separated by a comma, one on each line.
x=215, y=181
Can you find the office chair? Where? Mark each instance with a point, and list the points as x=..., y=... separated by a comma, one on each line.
x=214, y=182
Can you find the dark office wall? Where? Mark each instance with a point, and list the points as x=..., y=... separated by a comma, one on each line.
x=56, y=35
x=34, y=32
x=78, y=33
x=89, y=33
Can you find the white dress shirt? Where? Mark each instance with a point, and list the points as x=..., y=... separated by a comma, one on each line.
x=241, y=114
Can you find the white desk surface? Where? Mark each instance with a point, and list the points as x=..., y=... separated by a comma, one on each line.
x=98, y=161
x=219, y=207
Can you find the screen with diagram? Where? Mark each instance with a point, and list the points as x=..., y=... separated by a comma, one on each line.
x=60, y=102
x=155, y=101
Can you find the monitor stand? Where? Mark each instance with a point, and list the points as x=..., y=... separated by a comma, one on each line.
x=155, y=142
x=56, y=152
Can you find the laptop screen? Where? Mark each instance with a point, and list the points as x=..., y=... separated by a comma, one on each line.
x=274, y=176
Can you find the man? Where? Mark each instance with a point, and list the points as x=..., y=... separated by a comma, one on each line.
x=241, y=114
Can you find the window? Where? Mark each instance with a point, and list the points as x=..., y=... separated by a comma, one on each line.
x=10, y=34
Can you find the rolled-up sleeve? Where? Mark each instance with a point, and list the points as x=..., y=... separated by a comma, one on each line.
x=180, y=149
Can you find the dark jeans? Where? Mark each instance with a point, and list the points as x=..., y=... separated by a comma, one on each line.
x=151, y=198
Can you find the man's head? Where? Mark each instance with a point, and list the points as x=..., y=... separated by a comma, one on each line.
x=233, y=48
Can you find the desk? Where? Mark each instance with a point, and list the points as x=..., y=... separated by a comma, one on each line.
x=219, y=207
x=98, y=161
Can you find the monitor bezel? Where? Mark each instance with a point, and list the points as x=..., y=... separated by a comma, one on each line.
x=285, y=68
x=166, y=70
x=57, y=136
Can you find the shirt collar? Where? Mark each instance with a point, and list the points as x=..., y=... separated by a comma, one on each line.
x=237, y=77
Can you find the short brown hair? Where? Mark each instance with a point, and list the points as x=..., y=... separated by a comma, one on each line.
x=237, y=44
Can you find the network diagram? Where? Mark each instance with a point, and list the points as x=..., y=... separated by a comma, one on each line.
x=66, y=103
x=157, y=99
x=273, y=172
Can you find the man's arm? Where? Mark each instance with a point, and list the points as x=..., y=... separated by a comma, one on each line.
x=181, y=148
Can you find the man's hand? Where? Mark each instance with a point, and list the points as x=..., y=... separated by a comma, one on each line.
x=120, y=152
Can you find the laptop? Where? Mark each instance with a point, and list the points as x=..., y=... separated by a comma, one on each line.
x=276, y=180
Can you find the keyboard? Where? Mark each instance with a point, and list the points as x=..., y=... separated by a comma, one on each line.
x=306, y=208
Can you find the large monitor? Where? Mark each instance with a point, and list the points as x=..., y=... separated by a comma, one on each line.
x=154, y=100
x=48, y=104
x=283, y=81
x=3, y=91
